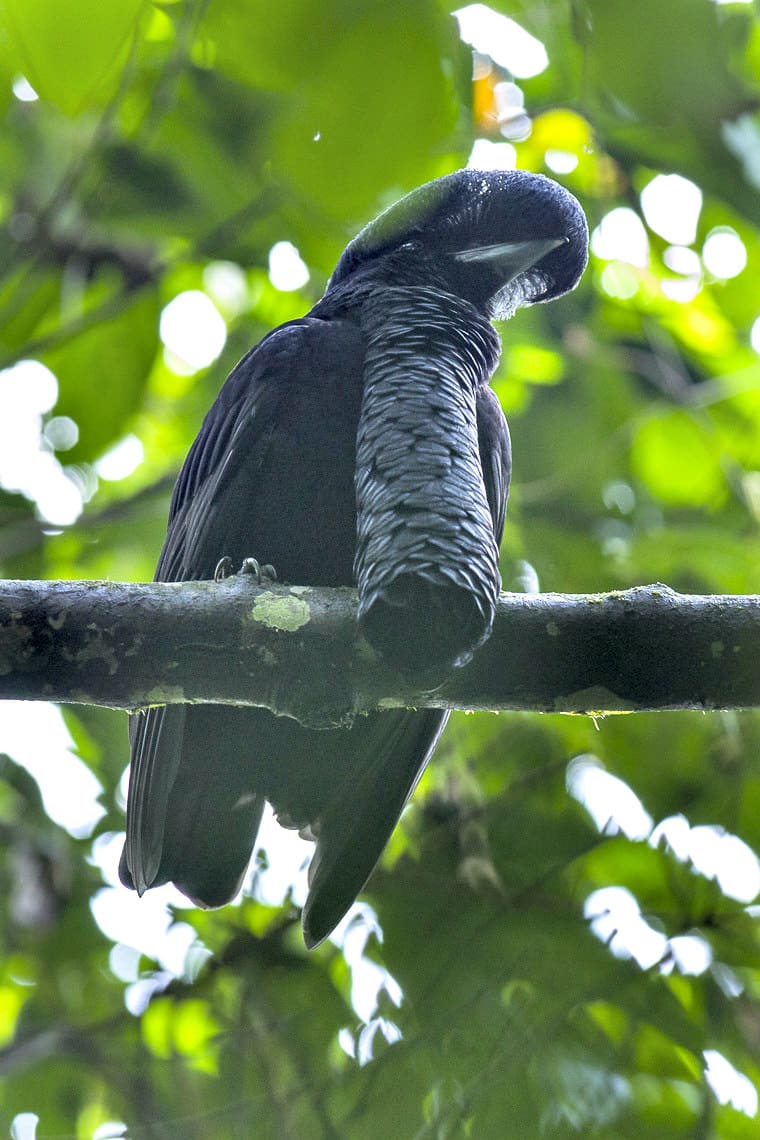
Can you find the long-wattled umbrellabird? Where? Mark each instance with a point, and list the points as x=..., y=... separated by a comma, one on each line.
x=360, y=444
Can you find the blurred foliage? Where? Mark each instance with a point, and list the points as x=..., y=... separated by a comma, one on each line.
x=172, y=145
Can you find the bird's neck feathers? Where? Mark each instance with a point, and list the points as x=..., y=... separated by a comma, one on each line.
x=428, y=321
x=435, y=327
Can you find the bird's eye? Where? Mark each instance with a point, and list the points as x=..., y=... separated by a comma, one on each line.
x=410, y=246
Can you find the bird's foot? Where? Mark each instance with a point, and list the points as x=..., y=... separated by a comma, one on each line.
x=263, y=573
x=223, y=568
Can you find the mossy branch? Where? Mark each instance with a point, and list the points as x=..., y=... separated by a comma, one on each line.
x=297, y=651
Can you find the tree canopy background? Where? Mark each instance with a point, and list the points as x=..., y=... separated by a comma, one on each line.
x=561, y=939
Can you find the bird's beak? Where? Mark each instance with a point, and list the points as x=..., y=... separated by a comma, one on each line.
x=511, y=258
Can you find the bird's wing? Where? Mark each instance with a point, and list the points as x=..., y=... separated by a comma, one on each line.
x=495, y=456
x=237, y=430
x=390, y=751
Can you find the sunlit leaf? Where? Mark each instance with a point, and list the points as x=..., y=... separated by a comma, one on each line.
x=677, y=461
x=69, y=54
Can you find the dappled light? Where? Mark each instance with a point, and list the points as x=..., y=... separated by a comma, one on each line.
x=121, y=459
x=612, y=805
x=487, y=155
x=713, y=853
x=505, y=41
x=287, y=270
x=617, y=921
x=38, y=739
x=671, y=206
x=724, y=253
x=620, y=236
x=23, y=90
x=193, y=331
x=27, y=461
x=729, y=1085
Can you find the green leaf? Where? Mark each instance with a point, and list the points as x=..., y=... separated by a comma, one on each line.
x=678, y=462
x=102, y=373
x=374, y=105
x=69, y=53
x=680, y=73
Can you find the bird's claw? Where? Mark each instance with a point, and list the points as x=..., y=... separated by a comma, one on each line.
x=223, y=568
x=262, y=573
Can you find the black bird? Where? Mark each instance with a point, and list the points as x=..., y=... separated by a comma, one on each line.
x=360, y=444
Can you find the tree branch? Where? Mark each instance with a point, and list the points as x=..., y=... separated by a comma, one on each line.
x=296, y=650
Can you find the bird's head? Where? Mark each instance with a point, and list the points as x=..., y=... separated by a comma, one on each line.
x=499, y=239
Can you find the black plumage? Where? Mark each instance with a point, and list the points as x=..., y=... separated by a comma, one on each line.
x=359, y=444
